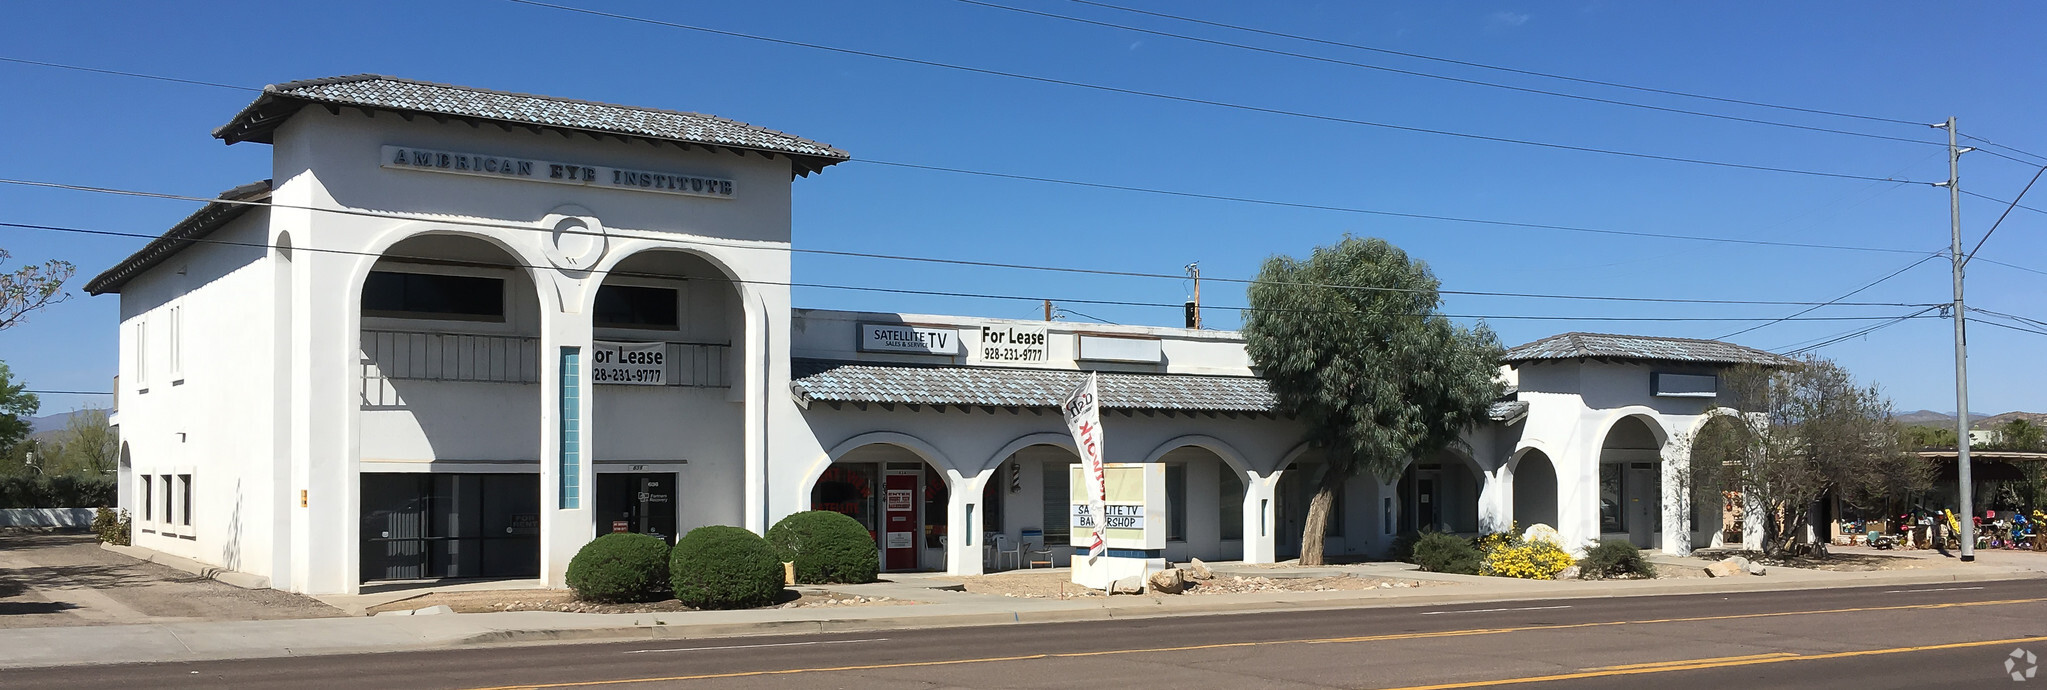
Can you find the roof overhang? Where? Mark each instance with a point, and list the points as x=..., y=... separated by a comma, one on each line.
x=192, y=230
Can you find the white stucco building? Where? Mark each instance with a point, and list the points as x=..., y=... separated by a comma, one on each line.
x=459, y=333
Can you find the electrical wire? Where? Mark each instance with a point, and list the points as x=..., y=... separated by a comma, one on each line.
x=2020, y=329
x=2015, y=317
x=1830, y=340
x=1480, y=65
x=1893, y=274
x=1201, y=101
x=870, y=255
x=1429, y=75
x=2001, y=216
x=37, y=392
x=1064, y=310
x=864, y=288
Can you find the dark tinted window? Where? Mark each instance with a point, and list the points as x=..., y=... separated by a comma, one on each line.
x=630, y=306
x=431, y=296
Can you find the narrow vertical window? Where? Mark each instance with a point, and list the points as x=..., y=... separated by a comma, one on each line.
x=148, y=500
x=1230, y=501
x=177, y=355
x=185, y=500
x=141, y=353
x=168, y=517
x=571, y=428
x=1176, y=502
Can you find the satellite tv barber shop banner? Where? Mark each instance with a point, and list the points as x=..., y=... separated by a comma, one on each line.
x=1084, y=419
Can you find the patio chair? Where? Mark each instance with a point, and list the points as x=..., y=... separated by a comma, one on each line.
x=1013, y=553
x=1035, y=551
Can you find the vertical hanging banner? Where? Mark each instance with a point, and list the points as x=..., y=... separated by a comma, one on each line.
x=1084, y=420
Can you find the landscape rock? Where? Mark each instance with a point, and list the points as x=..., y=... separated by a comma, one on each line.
x=1168, y=581
x=1570, y=573
x=1542, y=532
x=1197, y=570
x=1757, y=569
x=1732, y=566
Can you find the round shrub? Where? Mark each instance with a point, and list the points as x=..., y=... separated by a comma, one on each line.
x=722, y=567
x=1614, y=559
x=1529, y=560
x=827, y=548
x=620, y=567
x=1437, y=552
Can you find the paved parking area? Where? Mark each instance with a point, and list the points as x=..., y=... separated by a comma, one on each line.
x=59, y=579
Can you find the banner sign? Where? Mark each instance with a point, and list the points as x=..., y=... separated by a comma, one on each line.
x=631, y=364
x=881, y=337
x=1084, y=420
x=1010, y=344
x=532, y=170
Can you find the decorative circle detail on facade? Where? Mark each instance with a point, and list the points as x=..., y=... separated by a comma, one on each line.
x=576, y=239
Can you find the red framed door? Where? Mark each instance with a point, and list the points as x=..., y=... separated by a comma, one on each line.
x=900, y=521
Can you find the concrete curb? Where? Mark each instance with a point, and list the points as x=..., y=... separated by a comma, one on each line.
x=238, y=579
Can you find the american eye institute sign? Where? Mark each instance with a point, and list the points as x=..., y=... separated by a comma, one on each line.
x=533, y=170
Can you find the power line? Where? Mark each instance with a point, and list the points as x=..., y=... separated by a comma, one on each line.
x=1429, y=75
x=2020, y=329
x=2015, y=317
x=1480, y=65
x=2001, y=216
x=871, y=255
x=68, y=392
x=1830, y=340
x=1193, y=195
x=1987, y=142
x=2013, y=202
x=1200, y=101
x=864, y=288
x=1064, y=310
x=118, y=73
x=1893, y=274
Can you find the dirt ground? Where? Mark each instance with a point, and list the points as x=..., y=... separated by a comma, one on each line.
x=64, y=579
x=1058, y=584
x=487, y=601
x=1837, y=562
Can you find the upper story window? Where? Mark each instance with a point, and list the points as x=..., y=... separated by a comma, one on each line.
x=142, y=353
x=633, y=306
x=177, y=354
x=433, y=296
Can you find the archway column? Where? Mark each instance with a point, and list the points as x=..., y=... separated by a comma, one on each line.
x=1495, y=501
x=1677, y=499
x=567, y=520
x=1261, y=543
x=964, y=510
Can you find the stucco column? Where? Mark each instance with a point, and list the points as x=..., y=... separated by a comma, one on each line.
x=1260, y=528
x=1495, y=508
x=1752, y=522
x=755, y=374
x=965, y=514
x=567, y=522
x=1677, y=501
x=326, y=407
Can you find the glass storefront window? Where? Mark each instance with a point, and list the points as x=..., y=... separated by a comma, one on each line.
x=1610, y=517
x=849, y=489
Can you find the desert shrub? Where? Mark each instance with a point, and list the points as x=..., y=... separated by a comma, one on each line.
x=1534, y=560
x=827, y=548
x=1490, y=542
x=1614, y=559
x=1437, y=552
x=111, y=525
x=722, y=567
x=1402, y=549
x=56, y=491
x=620, y=567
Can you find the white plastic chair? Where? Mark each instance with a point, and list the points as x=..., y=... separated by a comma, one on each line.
x=1004, y=549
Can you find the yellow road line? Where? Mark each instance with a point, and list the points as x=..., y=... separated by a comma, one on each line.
x=1682, y=665
x=1718, y=663
x=1677, y=662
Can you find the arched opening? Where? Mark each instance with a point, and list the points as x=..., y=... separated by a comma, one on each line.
x=1296, y=491
x=1441, y=494
x=899, y=496
x=1631, y=482
x=1717, y=506
x=667, y=440
x=1027, y=506
x=1204, y=506
x=450, y=373
x=1535, y=490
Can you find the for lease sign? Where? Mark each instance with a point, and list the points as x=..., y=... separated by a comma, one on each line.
x=631, y=364
x=1009, y=344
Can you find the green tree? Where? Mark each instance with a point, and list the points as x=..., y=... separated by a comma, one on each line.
x=16, y=406
x=1919, y=436
x=1806, y=430
x=30, y=288
x=2021, y=435
x=87, y=447
x=1354, y=346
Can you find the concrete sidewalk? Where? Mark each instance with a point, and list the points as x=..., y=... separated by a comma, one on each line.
x=937, y=607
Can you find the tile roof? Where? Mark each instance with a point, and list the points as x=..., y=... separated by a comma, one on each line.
x=280, y=101
x=1641, y=347
x=869, y=382
x=193, y=228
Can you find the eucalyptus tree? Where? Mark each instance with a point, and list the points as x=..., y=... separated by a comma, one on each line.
x=1354, y=345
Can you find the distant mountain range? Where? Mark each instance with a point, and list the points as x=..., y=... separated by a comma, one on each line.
x=46, y=427
x=1979, y=421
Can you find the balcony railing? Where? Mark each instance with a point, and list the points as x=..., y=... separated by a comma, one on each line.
x=422, y=356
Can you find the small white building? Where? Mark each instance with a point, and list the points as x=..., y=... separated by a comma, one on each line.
x=459, y=333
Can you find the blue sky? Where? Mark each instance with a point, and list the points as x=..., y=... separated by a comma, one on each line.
x=1909, y=61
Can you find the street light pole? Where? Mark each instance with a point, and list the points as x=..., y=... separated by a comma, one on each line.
x=1966, y=520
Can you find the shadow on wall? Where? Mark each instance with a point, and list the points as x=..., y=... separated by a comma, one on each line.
x=231, y=551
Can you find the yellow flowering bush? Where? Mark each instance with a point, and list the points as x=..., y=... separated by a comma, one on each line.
x=1537, y=560
x=1508, y=537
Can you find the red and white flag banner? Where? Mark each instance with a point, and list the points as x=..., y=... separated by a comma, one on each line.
x=1084, y=420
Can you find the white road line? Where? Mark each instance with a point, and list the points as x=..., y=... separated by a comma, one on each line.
x=755, y=646
x=1524, y=608
x=1938, y=589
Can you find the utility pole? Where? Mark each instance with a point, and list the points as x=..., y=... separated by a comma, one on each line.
x=1966, y=519
x=1194, y=304
x=1048, y=310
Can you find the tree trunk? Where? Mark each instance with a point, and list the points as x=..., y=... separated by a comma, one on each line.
x=1319, y=508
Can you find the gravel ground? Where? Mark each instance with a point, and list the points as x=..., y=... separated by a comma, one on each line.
x=63, y=579
x=487, y=601
x=1058, y=584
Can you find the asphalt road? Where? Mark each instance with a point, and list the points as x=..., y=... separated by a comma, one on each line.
x=1896, y=637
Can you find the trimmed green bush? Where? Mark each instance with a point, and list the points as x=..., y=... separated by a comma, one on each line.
x=111, y=525
x=1403, y=547
x=620, y=567
x=827, y=548
x=56, y=491
x=1437, y=552
x=722, y=567
x=1614, y=559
